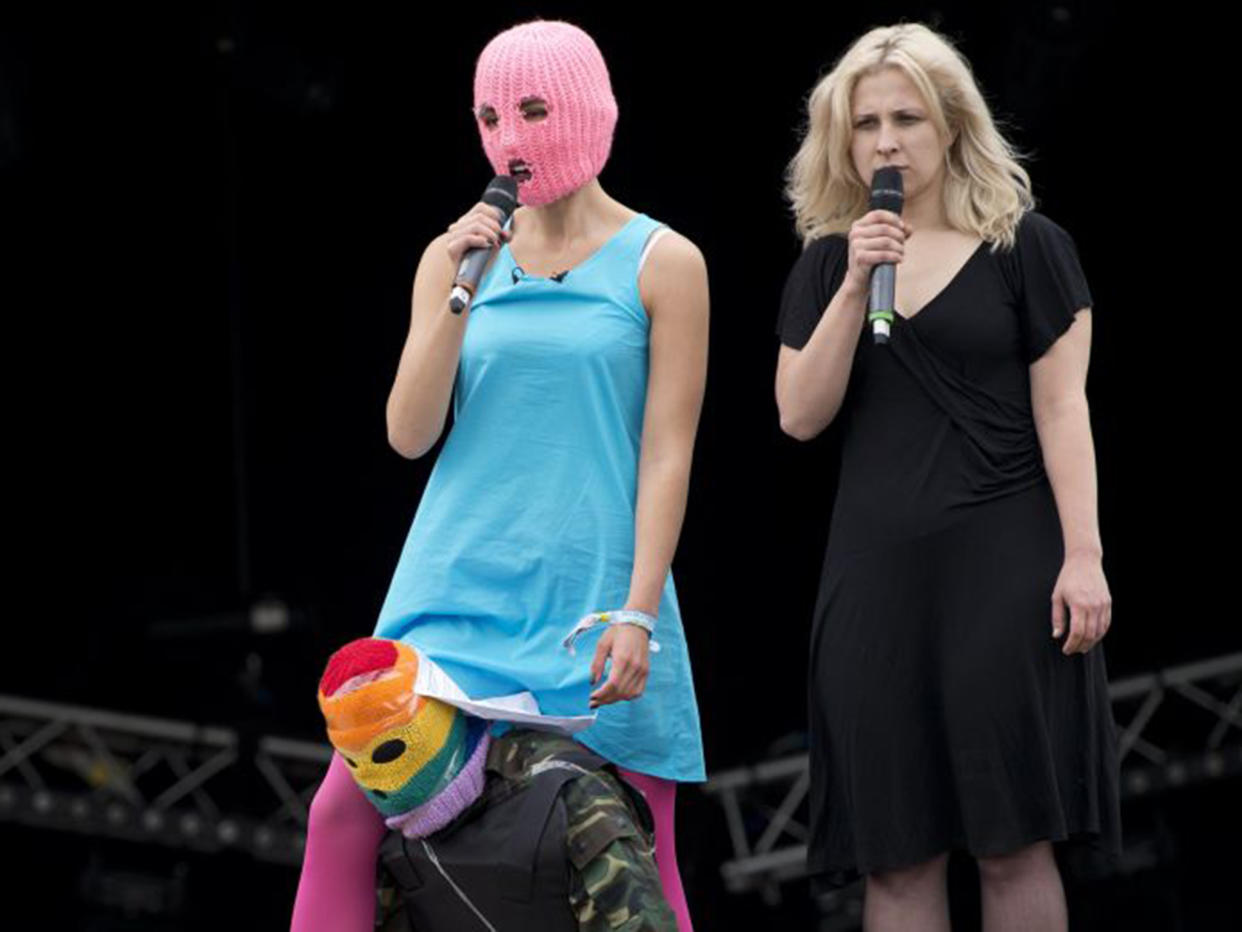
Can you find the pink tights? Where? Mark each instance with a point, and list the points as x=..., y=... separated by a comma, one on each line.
x=660, y=794
x=336, y=891
x=337, y=888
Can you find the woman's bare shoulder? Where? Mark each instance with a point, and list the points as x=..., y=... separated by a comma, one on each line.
x=674, y=266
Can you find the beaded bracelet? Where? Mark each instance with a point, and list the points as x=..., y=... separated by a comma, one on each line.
x=624, y=616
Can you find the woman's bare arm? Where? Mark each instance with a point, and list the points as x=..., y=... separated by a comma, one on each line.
x=419, y=400
x=1063, y=424
x=676, y=282
x=1081, y=600
x=810, y=382
x=1062, y=420
x=674, y=288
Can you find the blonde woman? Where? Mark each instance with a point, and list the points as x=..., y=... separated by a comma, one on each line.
x=958, y=699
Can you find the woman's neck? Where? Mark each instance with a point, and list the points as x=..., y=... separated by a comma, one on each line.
x=926, y=212
x=576, y=217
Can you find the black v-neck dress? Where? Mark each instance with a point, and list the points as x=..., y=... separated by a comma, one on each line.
x=943, y=713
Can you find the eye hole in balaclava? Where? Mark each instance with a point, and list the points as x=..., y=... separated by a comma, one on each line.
x=531, y=109
x=388, y=752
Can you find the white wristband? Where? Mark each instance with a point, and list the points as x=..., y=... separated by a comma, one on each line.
x=625, y=616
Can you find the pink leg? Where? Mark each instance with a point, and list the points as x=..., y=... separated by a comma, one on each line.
x=660, y=794
x=336, y=892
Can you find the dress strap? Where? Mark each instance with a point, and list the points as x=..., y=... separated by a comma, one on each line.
x=651, y=241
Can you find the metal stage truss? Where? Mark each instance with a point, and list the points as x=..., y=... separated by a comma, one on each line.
x=208, y=788
x=154, y=780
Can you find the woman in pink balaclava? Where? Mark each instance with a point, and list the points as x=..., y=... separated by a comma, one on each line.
x=576, y=379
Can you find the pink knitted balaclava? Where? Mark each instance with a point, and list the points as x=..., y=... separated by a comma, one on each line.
x=560, y=64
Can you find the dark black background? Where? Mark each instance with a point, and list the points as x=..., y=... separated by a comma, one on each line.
x=215, y=216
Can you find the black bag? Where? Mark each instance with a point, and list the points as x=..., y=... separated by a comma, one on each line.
x=502, y=865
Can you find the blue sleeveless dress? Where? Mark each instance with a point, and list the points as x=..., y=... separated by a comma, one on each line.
x=527, y=520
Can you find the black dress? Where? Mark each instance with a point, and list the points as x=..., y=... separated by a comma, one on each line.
x=943, y=713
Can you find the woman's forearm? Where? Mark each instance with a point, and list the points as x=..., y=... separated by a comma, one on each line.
x=1069, y=460
x=811, y=383
x=663, y=485
x=418, y=402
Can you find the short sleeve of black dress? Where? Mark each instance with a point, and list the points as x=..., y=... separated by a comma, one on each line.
x=813, y=280
x=1051, y=285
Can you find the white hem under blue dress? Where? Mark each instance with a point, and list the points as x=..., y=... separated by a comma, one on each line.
x=527, y=520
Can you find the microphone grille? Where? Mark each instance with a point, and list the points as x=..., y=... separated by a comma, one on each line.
x=501, y=192
x=886, y=190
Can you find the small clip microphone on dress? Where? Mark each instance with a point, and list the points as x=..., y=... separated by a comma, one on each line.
x=886, y=194
x=519, y=273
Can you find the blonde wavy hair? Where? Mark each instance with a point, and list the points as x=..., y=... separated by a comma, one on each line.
x=986, y=190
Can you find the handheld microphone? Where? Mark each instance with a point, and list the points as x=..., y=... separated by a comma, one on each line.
x=886, y=194
x=502, y=193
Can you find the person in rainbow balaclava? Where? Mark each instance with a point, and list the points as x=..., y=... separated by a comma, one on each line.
x=582, y=354
x=418, y=759
x=421, y=753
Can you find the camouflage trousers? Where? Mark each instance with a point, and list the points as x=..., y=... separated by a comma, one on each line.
x=614, y=885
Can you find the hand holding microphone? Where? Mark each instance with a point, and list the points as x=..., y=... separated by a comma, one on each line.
x=478, y=233
x=477, y=228
x=875, y=237
x=881, y=248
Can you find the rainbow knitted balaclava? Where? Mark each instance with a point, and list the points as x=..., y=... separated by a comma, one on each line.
x=560, y=64
x=417, y=759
